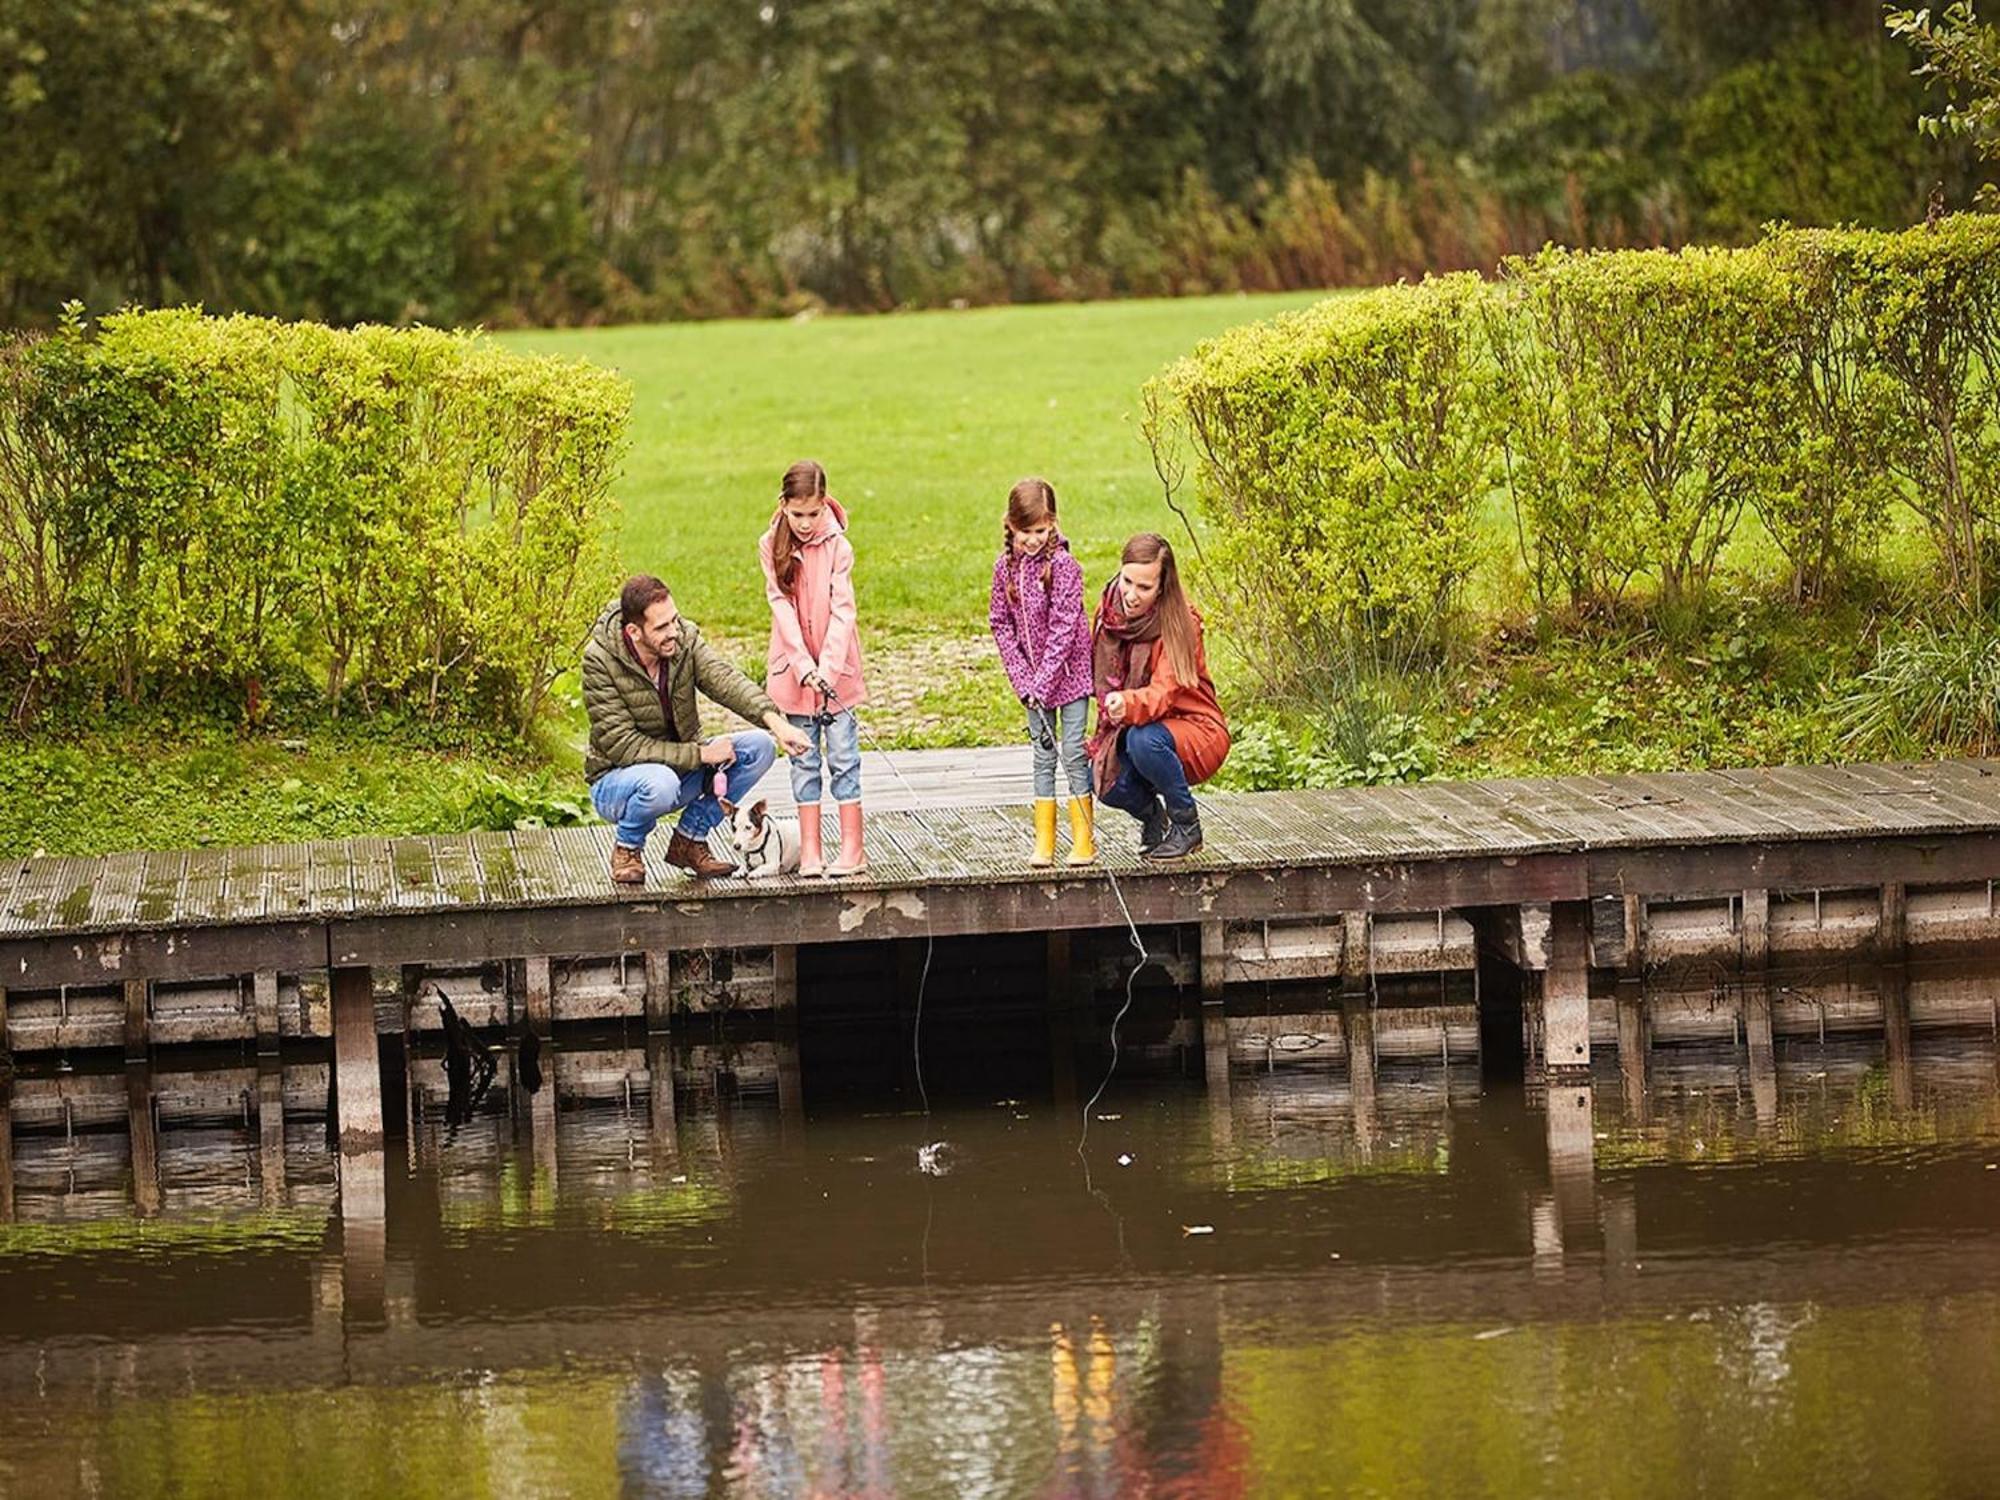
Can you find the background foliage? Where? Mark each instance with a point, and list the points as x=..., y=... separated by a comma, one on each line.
x=218, y=507
x=553, y=161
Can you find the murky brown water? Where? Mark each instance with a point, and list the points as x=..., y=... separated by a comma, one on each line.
x=1454, y=1288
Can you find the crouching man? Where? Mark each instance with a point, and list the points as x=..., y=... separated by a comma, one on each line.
x=642, y=666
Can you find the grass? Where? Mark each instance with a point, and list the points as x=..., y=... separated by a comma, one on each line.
x=923, y=421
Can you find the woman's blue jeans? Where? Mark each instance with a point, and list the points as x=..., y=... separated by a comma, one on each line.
x=1149, y=767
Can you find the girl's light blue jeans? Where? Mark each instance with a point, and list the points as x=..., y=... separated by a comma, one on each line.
x=1047, y=727
x=836, y=746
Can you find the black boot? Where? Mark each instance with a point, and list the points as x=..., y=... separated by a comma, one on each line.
x=1183, y=836
x=1153, y=827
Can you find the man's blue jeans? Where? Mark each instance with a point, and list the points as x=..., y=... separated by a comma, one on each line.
x=637, y=797
x=1149, y=767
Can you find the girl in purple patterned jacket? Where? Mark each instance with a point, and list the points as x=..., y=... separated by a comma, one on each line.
x=1044, y=640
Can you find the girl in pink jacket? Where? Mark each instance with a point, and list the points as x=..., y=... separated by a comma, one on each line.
x=813, y=668
x=1044, y=640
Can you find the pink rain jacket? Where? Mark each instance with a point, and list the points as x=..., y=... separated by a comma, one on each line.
x=812, y=627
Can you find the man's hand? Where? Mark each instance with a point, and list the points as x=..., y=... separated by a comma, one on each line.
x=790, y=738
x=719, y=751
x=1114, y=705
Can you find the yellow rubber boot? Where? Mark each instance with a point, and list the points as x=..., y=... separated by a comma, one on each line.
x=1082, y=831
x=1045, y=832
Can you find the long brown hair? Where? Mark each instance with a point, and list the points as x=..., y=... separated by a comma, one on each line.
x=1029, y=503
x=804, y=480
x=1180, y=632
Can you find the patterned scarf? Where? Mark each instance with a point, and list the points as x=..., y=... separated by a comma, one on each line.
x=1121, y=659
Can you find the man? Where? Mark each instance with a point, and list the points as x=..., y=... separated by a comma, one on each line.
x=641, y=668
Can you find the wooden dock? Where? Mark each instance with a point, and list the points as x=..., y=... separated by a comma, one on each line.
x=1552, y=857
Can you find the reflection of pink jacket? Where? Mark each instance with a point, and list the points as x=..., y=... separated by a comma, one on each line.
x=812, y=626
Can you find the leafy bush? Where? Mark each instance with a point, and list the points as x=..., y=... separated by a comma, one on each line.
x=1340, y=455
x=1637, y=389
x=1925, y=306
x=417, y=516
x=1831, y=481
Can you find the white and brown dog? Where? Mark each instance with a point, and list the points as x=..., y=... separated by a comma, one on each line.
x=766, y=847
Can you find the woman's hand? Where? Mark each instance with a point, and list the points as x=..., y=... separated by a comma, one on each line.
x=1114, y=707
x=817, y=681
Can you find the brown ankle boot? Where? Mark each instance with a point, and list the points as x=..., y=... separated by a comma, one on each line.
x=691, y=854
x=628, y=866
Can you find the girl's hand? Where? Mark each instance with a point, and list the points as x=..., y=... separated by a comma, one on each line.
x=1114, y=705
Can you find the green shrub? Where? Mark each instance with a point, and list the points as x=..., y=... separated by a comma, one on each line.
x=1925, y=306
x=187, y=501
x=1824, y=499
x=1340, y=456
x=1637, y=390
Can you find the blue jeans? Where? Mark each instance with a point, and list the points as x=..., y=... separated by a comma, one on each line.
x=1044, y=726
x=1149, y=767
x=842, y=742
x=637, y=797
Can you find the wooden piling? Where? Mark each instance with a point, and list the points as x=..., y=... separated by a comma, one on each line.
x=1754, y=929
x=357, y=1087
x=1566, y=989
x=264, y=1000
x=1632, y=1048
x=659, y=993
x=1215, y=1050
x=539, y=995
x=1357, y=1021
x=1354, y=955
x=1214, y=961
x=271, y=1134
x=785, y=978
x=1632, y=962
x=137, y=1027
x=145, y=1137
x=1892, y=930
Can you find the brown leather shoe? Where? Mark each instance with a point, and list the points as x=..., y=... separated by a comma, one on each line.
x=692, y=855
x=628, y=866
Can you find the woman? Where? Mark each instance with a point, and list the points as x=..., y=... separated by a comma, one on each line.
x=1160, y=729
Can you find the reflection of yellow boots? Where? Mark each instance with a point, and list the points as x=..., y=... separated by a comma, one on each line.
x=1045, y=832
x=1082, y=831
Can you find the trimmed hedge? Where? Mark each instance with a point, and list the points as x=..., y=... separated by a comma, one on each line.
x=1342, y=455
x=414, y=517
x=1631, y=407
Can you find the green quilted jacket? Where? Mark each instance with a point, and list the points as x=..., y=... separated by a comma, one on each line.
x=627, y=725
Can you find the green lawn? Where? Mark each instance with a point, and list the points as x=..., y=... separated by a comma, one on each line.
x=923, y=421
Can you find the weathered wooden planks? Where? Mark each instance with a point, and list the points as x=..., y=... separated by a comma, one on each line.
x=964, y=868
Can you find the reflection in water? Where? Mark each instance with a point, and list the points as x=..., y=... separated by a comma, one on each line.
x=1766, y=1275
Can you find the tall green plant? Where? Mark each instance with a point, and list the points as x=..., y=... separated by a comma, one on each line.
x=1339, y=458
x=1926, y=306
x=1827, y=493
x=1636, y=389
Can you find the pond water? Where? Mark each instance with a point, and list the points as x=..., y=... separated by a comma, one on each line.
x=1440, y=1285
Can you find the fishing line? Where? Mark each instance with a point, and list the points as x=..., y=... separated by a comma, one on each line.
x=930, y=944
x=930, y=935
